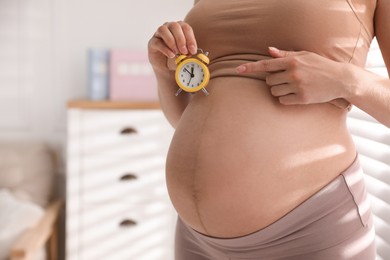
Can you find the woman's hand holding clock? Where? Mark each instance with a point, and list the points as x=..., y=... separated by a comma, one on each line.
x=170, y=39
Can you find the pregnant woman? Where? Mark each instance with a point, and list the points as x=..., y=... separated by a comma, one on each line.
x=264, y=166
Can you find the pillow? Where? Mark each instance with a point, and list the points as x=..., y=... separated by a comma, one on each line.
x=27, y=170
x=10, y=172
x=15, y=217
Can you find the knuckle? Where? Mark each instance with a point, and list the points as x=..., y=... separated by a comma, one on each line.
x=177, y=32
x=295, y=76
x=280, y=64
x=161, y=29
x=174, y=26
x=286, y=53
x=154, y=42
x=294, y=62
x=188, y=32
x=186, y=27
x=266, y=65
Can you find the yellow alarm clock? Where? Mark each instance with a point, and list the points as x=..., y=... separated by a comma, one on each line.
x=192, y=73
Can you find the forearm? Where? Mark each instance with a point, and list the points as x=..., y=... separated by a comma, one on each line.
x=369, y=92
x=171, y=105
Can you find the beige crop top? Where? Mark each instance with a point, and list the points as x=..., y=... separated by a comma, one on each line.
x=238, y=31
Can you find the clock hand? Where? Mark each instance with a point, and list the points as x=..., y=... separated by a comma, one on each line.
x=192, y=75
x=188, y=71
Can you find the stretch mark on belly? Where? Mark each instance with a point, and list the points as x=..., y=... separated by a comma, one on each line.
x=195, y=189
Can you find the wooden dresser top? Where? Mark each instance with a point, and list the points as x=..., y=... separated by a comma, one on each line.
x=112, y=104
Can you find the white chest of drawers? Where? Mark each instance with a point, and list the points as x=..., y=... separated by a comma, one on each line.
x=117, y=203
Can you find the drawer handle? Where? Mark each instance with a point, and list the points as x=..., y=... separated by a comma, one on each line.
x=129, y=177
x=128, y=131
x=127, y=223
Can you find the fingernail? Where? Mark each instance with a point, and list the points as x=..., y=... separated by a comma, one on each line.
x=273, y=49
x=241, y=69
x=193, y=49
x=183, y=50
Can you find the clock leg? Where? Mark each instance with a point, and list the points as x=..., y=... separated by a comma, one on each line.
x=205, y=91
x=178, y=92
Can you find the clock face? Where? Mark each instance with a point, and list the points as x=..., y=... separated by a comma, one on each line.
x=192, y=75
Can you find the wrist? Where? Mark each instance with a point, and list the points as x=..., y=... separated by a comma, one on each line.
x=164, y=76
x=350, y=81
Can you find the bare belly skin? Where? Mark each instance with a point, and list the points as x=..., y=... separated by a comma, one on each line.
x=239, y=160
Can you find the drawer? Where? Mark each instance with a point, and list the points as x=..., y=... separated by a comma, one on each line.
x=133, y=180
x=123, y=132
x=119, y=232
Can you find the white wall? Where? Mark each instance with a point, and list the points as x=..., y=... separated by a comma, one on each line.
x=43, y=55
x=43, y=58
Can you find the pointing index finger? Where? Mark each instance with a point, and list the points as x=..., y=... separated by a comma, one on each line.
x=266, y=65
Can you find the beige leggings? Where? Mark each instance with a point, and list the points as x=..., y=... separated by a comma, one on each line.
x=334, y=224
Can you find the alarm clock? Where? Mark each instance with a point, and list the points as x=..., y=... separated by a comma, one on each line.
x=192, y=73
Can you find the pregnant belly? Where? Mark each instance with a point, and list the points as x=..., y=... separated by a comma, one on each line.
x=239, y=160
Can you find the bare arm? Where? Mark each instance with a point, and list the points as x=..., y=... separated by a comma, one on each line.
x=370, y=92
x=292, y=75
x=170, y=39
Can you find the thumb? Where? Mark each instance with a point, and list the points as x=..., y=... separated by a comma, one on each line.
x=276, y=53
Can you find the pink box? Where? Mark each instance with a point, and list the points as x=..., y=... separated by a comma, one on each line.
x=131, y=76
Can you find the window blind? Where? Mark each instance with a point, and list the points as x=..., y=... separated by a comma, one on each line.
x=23, y=63
x=9, y=62
x=372, y=141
